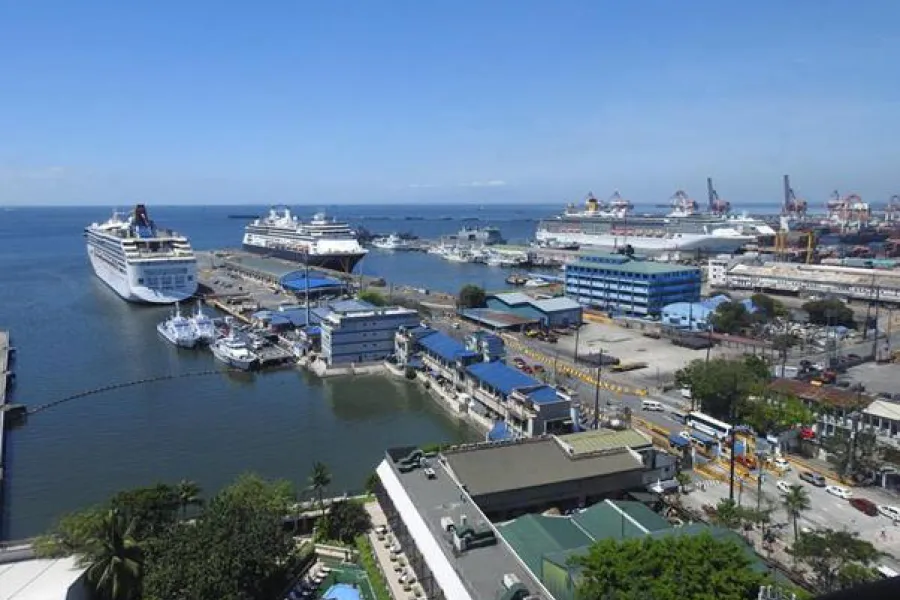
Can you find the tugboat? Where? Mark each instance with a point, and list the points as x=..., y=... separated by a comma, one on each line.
x=516, y=279
x=234, y=353
x=178, y=330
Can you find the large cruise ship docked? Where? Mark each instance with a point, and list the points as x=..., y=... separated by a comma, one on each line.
x=684, y=229
x=321, y=242
x=140, y=262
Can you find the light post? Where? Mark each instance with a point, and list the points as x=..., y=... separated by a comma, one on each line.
x=577, y=332
x=597, y=391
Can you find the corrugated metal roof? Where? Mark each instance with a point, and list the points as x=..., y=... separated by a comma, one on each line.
x=501, y=377
x=556, y=304
x=884, y=409
x=634, y=266
x=347, y=306
x=445, y=346
x=496, y=318
x=532, y=536
x=513, y=298
x=599, y=440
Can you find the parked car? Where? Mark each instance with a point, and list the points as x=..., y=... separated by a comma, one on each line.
x=781, y=464
x=518, y=362
x=783, y=486
x=839, y=491
x=891, y=512
x=864, y=506
x=813, y=478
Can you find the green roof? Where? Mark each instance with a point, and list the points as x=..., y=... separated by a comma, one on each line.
x=648, y=267
x=619, y=520
x=600, y=440
x=531, y=536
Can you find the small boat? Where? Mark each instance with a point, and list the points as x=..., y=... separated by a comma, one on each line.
x=392, y=242
x=516, y=279
x=537, y=282
x=203, y=326
x=178, y=330
x=234, y=353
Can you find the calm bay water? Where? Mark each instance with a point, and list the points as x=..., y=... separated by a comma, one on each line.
x=73, y=334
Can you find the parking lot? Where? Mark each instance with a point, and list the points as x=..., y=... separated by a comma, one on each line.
x=878, y=378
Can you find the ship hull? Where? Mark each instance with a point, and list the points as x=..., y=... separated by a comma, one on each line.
x=126, y=286
x=344, y=263
x=709, y=244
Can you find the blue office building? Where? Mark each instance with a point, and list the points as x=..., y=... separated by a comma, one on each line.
x=358, y=332
x=618, y=283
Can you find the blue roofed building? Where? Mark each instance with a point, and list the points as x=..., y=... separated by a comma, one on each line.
x=695, y=316
x=549, y=312
x=527, y=406
x=627, y=284
x=491, y=347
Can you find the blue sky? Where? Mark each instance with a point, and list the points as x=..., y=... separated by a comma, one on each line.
x=477, y=101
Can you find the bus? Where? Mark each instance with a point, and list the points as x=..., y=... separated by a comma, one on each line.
x=678, y=417
x=708, y=425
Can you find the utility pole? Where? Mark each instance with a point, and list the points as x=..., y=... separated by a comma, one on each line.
x=709, y=330
x=597, y=392
x=733, y=412
x=759, y=481
x=577, y=332
x=306, y=273
x=875, y=335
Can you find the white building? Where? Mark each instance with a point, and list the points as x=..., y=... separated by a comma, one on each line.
x=358, y=332
x=801, y=279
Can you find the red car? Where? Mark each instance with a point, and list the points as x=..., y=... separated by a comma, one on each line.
x=865, y=506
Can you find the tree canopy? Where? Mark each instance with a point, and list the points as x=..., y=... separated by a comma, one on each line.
x=830, y=311
x=471, y=296
x=345, y=520
x=731, y=317
x=668, y=568
x=768, y=307
x=837, y=558
x=720, y=385
x=372, y=297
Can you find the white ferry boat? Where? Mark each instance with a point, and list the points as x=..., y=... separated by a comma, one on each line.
x=392, y=242
x=321, y=242
x=178, y=330
x=203, y=326
x=140, y=262
x=234, y=353
x=683, y=229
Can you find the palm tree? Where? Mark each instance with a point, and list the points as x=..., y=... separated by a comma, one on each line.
x=795, y=501
x=319, y=480
x=115, y=560
x=188, y=495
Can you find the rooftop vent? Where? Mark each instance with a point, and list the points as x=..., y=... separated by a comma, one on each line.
x=509, y=580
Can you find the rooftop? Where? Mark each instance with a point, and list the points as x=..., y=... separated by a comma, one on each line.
x=496, y=318
x=602, y=440
x=646, y=267
x=38, y=579
x=546, y=305
x=446, y=347
x=296, y=281
x=489, y=469
x=829, y=396
x=822, y=273
x=267, y=266
x=505, y=379
x=475, y=573
x=884, y=409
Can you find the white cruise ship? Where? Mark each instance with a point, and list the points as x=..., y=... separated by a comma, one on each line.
x=683, y=229
x=140, y=262
x=321, y=242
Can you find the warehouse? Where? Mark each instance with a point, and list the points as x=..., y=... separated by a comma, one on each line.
x=695, y=315
x=799, y=280
x=550, y=312
x=624, y=284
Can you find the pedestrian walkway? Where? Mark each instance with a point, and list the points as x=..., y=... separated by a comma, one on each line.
x=392, y=565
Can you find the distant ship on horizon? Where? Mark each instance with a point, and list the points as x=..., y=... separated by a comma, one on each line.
x=140, y=262
x=321, y=242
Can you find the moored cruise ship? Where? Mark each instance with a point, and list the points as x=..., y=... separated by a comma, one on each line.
x=321, y=242
x=140, y=262
x=684, y=229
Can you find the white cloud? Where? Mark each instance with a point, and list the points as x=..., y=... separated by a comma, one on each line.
x=489, y=183
x=419, y=186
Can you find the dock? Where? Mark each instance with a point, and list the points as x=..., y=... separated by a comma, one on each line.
x=5, y=377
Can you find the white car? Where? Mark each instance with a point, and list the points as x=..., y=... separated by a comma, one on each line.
x=891, y=512
x=839, y=491
x=781, y=464
x=783, y=486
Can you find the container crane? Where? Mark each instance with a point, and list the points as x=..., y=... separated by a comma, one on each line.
x=716, y=205
x=792, y=205
x=682, y=202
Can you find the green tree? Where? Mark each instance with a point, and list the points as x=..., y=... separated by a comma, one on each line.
x=768, y=307
x=854, y=458
x=782, y=344
x=830, y=312
x=372, y=297
x=345, y=520
x=728, y=514
x=154, y=508
x=73, y=533
x=319, y=480
x=115, y=559
x=774, y=414
x=730, y=317
x=188, y=495
x=237, y=550
x=721, y=385
x=250, y=489
x=795, y=502
x=667, y=568
x=831, y=553
x=471, y=296
x=372, y=482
